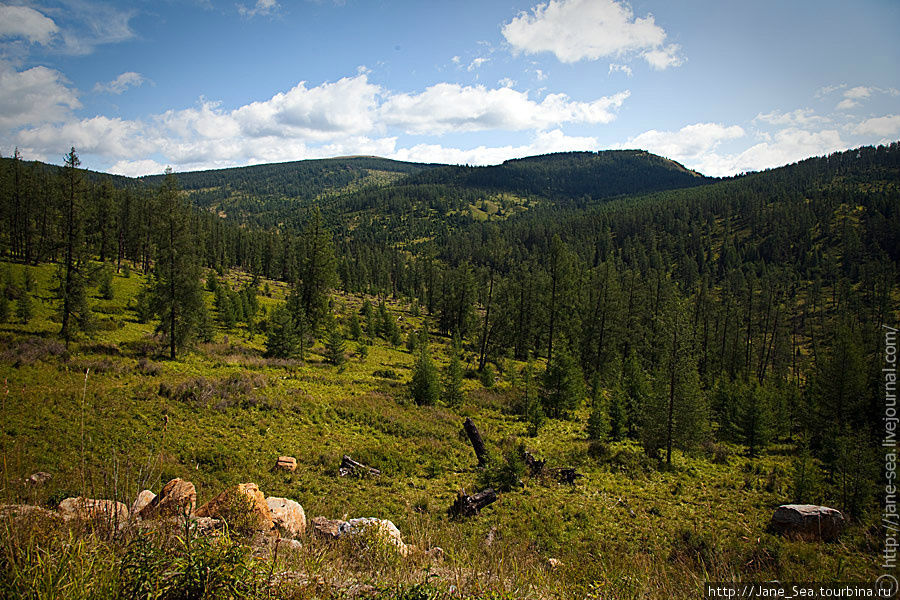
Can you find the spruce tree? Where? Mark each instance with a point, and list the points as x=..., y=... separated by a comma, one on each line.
x=4, y=307
x=563, y=385
x=335, y=346
x=318, y=272
x=453, y=378
x=74, y=310
x=425, y=386
x=23, y=307
x=176, y=296
x=282, y=340
x=532, y=411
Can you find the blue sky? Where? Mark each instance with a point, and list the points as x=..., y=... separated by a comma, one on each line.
x=721, y=86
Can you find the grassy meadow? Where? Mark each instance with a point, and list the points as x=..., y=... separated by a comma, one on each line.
x=112, y=416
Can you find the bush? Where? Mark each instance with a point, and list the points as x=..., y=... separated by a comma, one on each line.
x=504, y=473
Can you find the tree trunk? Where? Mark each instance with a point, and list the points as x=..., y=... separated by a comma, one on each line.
x=467, y=506
x=477, y=443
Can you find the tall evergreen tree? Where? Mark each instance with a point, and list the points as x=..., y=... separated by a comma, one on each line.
x=319, y=272
x=282, y=340
x=453, y=377
x=71, y=290
x=176, y=295
x=425, y=387
x=563, y=385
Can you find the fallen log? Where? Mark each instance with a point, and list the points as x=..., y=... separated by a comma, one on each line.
x=351, y=467
x=477, y=443
x=467, y=506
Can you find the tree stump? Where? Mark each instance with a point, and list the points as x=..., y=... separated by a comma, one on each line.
x=467, y=506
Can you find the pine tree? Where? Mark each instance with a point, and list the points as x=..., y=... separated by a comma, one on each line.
x=105, y=289
x=4, y=307
x=532, y=411
x=598, y=425
x=563, y=385
x=75, y=313
x=453, y=378
x=318, y=274
x=335, y=347
x=617, y=421
x=675, y=415
x=425, y=386
x=176, y=296
x=23, y=307
x=354, y=328
x=282, y=340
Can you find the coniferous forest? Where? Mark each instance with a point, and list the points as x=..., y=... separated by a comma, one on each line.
x=697, y=351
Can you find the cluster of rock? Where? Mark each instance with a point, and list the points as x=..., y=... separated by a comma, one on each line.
x=807, y=522
x=242, y=506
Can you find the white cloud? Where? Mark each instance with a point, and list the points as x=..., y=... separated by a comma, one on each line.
x=802, y=117
x=855, y=96
x=348, y=116
x=448, y=107
x=577, y=30
x=121, y=83
x=36, y=95
x=98, y=23
x=540, y=75
x=476, y=63
x=858, y=93
x=25, y=22
x=697, y=147
x=262, y=7
x=879, y=126
x=620, y=68
x=847, y=104
x=506, y=82
x=136, y=168
x=542, y=143
x=688, y=143
x=787, y=146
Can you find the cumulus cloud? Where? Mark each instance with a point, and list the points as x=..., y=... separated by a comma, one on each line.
x=121, y=83
x=855, y=96
x=262, y=7
x=448, y=107
x=688, y=143
x=542, y=143
x=27, y=23
x=802, y=117
x=94, y=24
x=620, y=68
x=879, y=126
x=36, y=95
x=575, y=30
x=348, y=116
x=137, y=168
x=698, y=147
x=476, y=63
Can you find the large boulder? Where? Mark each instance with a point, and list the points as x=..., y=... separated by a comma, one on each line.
x=142, y=500
x=288, y=516
x=177, y=498
x=376, y=530
x=327, y=528
x=380, y=530
x=807, y=522
x=97, y=511
x=242, y=507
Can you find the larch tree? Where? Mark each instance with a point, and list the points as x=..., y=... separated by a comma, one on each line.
x=176, y=295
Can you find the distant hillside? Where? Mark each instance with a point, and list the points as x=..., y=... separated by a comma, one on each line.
x=572, y=175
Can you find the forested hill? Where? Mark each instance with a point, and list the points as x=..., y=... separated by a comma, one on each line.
x=300, y=181
x=571, y=175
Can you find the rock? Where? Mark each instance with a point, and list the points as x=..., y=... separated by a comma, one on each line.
x=289, y=543
x=242, y=506
x=28, y=512
x=807, y=521
x=288, y=516
x=89, y=509
x=178, y=497
x=553, y=563
x=382, y=529
x=286, y=463
x=142, y=500
x=327, y=528
x=39, y=478
x=208, y=525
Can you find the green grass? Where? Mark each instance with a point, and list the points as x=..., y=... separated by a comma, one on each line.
x=107, y=421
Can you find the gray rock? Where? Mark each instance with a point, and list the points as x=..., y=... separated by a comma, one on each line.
x=807, y=522
x=288, y=516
